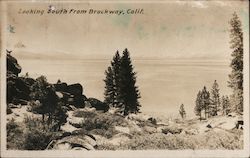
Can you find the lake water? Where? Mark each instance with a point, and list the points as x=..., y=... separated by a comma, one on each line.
x=164, y=84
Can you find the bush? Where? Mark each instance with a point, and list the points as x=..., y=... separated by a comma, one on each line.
x=38, y=134
x=84, y=114
x=101, y=123
x=14, y=136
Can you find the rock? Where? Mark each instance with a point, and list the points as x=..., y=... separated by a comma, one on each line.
x=152, y=120
x=77, y=142
x=79, y=101
x=119, y=138
x=75, y=89
x=12, y=65
x=98, y=105
x=59, y=95
x=17, y=87
x=61, y=87
x=150, y=129
x=239, y=124
x=160, y=128
x=122, y=129
x=209, y=126
x=79, y=148
x=13, y=106
x=172, y=130
x=68, y=127
x=192, y=132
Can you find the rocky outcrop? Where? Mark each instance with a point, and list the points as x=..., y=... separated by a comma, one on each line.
x=12, y=65
x=75, y=89
x=18, y=88
x=71, y=94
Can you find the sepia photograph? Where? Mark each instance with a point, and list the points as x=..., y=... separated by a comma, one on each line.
x=124, y=78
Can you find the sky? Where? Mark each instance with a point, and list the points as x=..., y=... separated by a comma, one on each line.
x=173, y=29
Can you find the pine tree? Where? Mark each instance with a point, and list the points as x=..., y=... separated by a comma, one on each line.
x=225, y=105
x=182, y=111
x=116, y=65
x=215, y=99
x=205, y=101
x=198, y=105
x=129, y=93
x=109, y=93
x=236, y=76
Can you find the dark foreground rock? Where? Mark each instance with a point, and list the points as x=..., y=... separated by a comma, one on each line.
x=73, y=142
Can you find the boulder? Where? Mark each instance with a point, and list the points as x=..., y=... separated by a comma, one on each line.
x=75, y=89
x=121, y=129
x=73, y=142
x=152, y=120
x=62, y=87
x=59, y=95
x=209, y=126
x=150, y=129
x=77, y=101
x=192, y=132
x=172, y=130
x=98, y=105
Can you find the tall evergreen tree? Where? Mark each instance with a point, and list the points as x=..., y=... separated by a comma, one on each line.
x=109, y=93
x=116, y=66
x=215, y=99
x=129, y=93
x=182, y=111
x=236, y=76
x=198, y=105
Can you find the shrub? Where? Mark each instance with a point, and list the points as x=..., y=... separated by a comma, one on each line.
x=14, y=136
x=211, y=140
x=101, y=123
x=84, y=114
x=38, y=134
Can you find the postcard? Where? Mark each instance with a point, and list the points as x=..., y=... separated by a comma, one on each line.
x=124, y=78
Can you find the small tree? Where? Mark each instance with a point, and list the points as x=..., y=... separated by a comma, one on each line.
x=182, y=111
x=50, y=105
x=225, y=105
x=215, y=99
x=39, y=91
x=205, y=101
x=236, y=76
x=198, y=105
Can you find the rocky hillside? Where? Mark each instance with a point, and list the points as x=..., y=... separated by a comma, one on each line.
x=90, y=129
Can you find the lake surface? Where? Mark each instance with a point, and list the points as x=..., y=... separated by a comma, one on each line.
x=164, y=84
